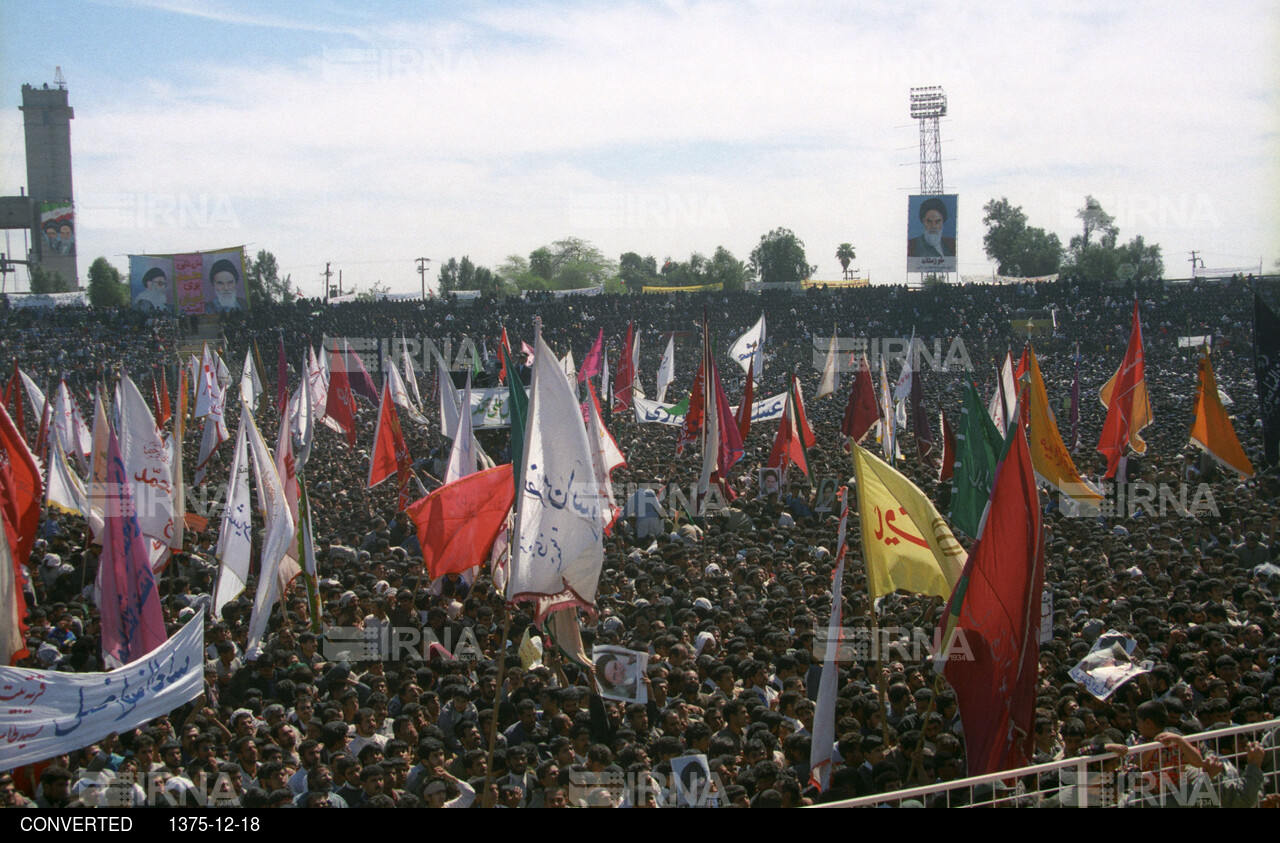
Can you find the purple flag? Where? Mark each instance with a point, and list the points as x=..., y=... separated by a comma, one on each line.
x=358, y=375
x=591, y=363
x=132, y=624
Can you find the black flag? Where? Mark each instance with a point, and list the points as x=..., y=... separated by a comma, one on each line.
x=1266, y=363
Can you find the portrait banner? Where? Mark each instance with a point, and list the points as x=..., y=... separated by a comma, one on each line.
x=931, y=233
x=151, y=283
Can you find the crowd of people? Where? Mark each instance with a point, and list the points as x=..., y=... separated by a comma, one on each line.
x=730, y=603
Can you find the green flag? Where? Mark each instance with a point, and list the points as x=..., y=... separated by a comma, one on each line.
x=978, y=445
x=518, y=410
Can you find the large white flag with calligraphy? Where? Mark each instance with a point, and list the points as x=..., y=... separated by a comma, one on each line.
x=206, y=381
x=750, y=346
x=558, y=547
x=47, y=713
x=69, y=424
x=666, y=369
x=280, y=531
x=235, y=539
x=147, y=462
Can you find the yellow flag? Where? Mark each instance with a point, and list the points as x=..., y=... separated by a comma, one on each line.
x=906, y=544
x=1049, y=456
x=1211, y=431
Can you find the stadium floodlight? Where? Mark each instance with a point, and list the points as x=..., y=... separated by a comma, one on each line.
x=928, y=102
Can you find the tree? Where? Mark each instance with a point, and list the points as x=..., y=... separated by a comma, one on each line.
x=727, y=270
x=779, y=258
x=637, y=272
x=1096, y=220
x=105, y=287
x=1144, y=262
x=465, y=275
x=263, y=281
x=49, y=281
x=1018, y=249
x=845, y=254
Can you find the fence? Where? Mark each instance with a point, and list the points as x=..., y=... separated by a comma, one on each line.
x=1150, y=775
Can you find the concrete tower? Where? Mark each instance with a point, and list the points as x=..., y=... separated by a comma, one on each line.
x=47, y=123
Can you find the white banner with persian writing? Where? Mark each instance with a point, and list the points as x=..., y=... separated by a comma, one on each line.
x=654, y=412
x=44, y=713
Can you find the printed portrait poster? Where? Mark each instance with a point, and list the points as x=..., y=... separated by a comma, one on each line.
x=770, y=481
x=692, y=775
x=224, y=285
x=620, y=672
x=931, y=233
x=151, y=283
x=1109, y=665
x=57, y=228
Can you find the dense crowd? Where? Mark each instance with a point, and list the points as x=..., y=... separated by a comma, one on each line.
x=729, y=603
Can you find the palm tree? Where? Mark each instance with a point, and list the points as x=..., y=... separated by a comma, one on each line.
x=844, y=254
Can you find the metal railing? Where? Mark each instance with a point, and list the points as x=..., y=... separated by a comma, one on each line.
x=1152, y=774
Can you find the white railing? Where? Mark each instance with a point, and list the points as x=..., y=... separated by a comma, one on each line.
x=1150, y=775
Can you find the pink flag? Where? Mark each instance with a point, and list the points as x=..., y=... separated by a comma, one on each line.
x=591, y=364
x=132, y=624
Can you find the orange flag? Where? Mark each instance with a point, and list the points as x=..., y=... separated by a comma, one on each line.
x=1211, y=431
x=1128, y=407
x=459, y=522
x=389, y=455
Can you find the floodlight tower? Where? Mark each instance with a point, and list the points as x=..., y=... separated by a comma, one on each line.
x=927, y=105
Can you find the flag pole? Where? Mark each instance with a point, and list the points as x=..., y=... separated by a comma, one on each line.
x=875, y=639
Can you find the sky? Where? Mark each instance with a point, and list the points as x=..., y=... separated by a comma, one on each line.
x=368, y=137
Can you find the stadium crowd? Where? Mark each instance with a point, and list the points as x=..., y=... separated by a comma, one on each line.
x=728, y=602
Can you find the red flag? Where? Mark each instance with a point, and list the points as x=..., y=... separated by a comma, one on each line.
x=166, y=410
x=282, y=380
x=20, y=507
x=862, y=411
x=748, y=396
x=802, y=418
x=730, y=439
x=789, y=445
x=948, y=450
x=692, y=426
x=458, y=523
x=993, y=621
x=389, y=454
x=591, y=364
x=506, y=345
x=1127, y=409
x=341, y=406
x=626, y=376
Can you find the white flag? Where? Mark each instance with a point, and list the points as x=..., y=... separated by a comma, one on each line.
x=558, y=549
x=462, y=457
x=34, y=395
x=215, y=431
x=824, y=717
x=206, y=381
x=750, y=346
x=830, y=378
x=63, y=488
x=605, y=456
x=250, y=383
x=98, y=468
x=410, y=376
x=400, y=395
x=280, y=531
x=235, y=538
x=667, y=369
x=146, y=462
x=1005, y=396
x=69, y=424
x=302, y=422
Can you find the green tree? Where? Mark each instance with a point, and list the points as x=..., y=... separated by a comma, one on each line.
x=541, y=263
x=1145, y=261
x=727, y=270
x=779, y=258
x=637, y=272
x=845, y=254
x=1094, y=220
x=1018, y=249
x=105, y=287
x=263, y=281
x=49, y=281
